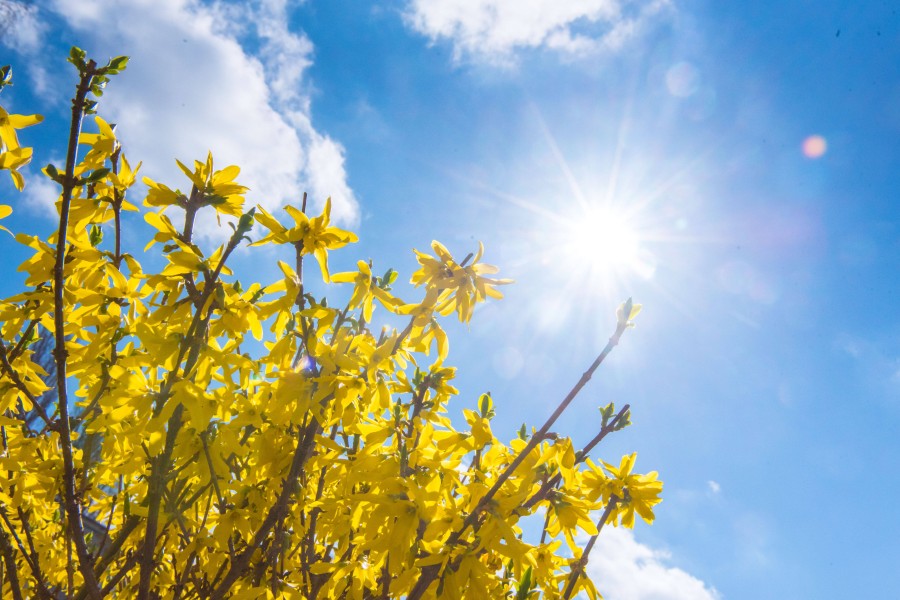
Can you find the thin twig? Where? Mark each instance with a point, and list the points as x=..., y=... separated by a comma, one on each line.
x=17, y=381
x=35, y=557
x=118, y=198
x=24, y=338
x=580, y=457
x=112, y=553
x=30, y=558
x=578, y=567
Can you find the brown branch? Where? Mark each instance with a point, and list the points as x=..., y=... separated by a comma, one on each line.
x=106, y=557
x=35, y=558
x=111, y=553
x=386, y=578
x=222, y=505
x=156, y=485
x=130, y=562
x=544, y=528
x=214, y=478
x=291, y=482
x=161, y=464
x=7, y=550
x=181, y=580
x=70, y=567
x=70, y=499
x=310, y=553
x=112, y=512
x=402, y=448
x=129, y=527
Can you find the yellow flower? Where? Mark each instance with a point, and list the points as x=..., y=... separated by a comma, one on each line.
x=547, y=560
x=313, y=236
x=159, y=194
x=365, y=290
x=634, y=492
x=569, y=513
x=5, y=211
x=126, y=175
x=461, y=287
x=8, y=125
x=102, y=144
x=216, y=188
x=13, y=161
x=12, y=155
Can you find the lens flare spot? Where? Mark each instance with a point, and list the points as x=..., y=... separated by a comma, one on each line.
x=682, y=79
x=815, y=146
x=740, y=278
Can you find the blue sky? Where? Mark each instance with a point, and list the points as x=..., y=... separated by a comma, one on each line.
x=749, y=150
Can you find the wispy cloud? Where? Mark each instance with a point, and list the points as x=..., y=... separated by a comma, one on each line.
x=624, y=569
x=224, y=77
x=875, y=361
x=493, y=30
x=20, y=28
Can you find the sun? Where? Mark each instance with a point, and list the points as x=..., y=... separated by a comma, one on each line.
x=604, y=240
x=604, y=243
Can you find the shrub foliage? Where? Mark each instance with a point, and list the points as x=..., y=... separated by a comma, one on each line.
x=210, y=439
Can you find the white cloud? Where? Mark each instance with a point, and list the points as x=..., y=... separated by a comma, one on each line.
x=493, y=30
x=286, y=56
x=194, y=84
x=624, y=569
x=19, y=27
x=714, y=486
x=41, y=193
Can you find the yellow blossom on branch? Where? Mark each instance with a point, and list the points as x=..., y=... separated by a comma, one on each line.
x=12, y=155
x=10, y=123
x=366, y=290
x=314, y=236
x=210, y=188
x=461, y=287
x=632, y=492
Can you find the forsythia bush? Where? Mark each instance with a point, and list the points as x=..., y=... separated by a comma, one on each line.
x=182, y=460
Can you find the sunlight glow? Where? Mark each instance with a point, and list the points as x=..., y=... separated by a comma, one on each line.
x=604, y=239
x=606, y=244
